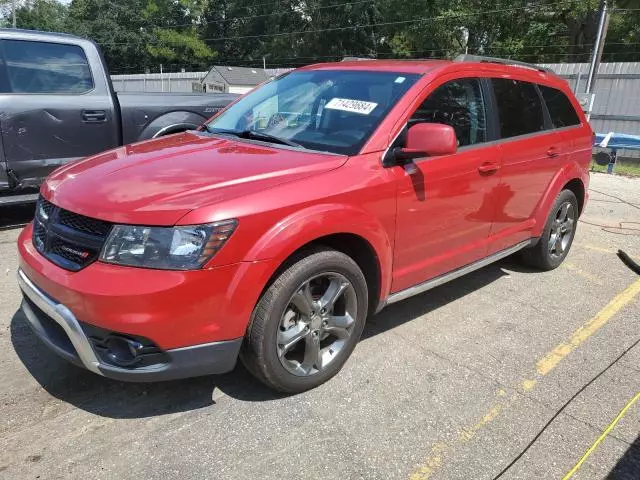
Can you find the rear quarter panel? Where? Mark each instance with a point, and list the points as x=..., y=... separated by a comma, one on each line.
x=144, y=115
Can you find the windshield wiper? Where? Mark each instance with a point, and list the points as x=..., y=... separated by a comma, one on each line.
x=252, y=135
x=267, y=137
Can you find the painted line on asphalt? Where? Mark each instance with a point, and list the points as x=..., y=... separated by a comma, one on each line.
x=595, y=248
x=435, y=458
x=601, y=437
x=548, y=363
x=578, y=271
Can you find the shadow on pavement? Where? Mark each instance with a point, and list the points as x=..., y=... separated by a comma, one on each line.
x=114, y=399
x=628, y=467
x=16, y=215
x=414, y=307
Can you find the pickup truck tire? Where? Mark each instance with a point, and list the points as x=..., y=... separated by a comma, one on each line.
x=307, y=322
x=554, y=244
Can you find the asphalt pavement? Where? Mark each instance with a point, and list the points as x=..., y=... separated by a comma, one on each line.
x=506, y=366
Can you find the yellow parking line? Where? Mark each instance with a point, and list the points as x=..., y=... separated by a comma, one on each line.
x=595, y=248
x=601, y=437
x=573, y=268
x=545, y=365
x=435, y=458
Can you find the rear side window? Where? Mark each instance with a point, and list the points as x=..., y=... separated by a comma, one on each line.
x=459, y=104
x=560, y=108
x=4, y=79
x=519, y=107
x=39, y=67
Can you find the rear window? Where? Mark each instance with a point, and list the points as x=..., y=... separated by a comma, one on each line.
x=560, y=108
x=519, y=107
x=40, y=67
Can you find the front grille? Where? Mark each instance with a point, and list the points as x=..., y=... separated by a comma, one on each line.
x=84, y=224
x=69, y=240
x=45, y=208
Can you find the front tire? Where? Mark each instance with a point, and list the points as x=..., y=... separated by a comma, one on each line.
x=557, y=237
x=307, y=323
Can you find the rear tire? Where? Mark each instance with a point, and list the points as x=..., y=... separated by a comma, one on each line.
x=554, y=244
x=307, y=322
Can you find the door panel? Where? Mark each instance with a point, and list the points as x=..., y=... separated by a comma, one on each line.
x=527, y=170
x=52, y=112
x=531, y=154
x=445, y=207
x=445, y=211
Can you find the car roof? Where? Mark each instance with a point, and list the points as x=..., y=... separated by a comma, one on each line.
x=34, y=34
x=396, y=66
x=437, y=67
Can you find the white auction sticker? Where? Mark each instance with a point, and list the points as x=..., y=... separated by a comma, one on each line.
x=348, y=105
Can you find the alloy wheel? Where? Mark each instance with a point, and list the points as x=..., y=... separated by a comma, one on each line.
x=561, y=230
x=316, y=324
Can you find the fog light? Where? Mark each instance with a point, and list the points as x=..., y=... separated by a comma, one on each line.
x=123, y=351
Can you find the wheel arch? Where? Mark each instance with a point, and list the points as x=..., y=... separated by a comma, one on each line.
x=354, y=246
x=577, y=187
x=171, y=122
x=571, y=177
x=346, y=228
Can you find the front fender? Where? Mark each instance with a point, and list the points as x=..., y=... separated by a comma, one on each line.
x=569, y=172
x=315, y=222
x=171, y=122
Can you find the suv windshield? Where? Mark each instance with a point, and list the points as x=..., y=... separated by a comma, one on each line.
x=327, y=110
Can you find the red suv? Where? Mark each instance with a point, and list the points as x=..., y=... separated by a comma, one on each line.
x=307, y=205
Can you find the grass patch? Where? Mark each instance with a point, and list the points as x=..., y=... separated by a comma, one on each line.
x=621, y=168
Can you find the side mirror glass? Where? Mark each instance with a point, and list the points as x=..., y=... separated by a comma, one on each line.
x=427, y=140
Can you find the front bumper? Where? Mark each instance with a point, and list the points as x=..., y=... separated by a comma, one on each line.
x=61, y=331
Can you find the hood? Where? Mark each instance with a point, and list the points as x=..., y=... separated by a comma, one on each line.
x=159, y=181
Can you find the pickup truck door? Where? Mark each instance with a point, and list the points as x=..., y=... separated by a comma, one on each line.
x=56, y=106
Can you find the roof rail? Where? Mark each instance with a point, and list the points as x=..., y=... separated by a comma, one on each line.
x=502, y=61
x=356, y=59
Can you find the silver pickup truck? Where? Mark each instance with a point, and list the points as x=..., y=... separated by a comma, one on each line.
x=57, y=104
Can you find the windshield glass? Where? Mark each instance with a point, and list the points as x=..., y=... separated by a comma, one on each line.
x=327, y=110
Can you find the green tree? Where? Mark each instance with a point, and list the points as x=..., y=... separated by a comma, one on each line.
x=44, y=15
x=142, y=34
x=138, y=35
x=173, y=28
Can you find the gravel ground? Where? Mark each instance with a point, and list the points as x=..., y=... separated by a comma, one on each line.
x=452, y=384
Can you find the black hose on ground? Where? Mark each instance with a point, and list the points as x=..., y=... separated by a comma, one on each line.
x=628, y=261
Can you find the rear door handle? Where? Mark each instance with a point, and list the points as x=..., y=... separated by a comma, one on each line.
x=553, y=152
x=489, y=168
x=94, y=116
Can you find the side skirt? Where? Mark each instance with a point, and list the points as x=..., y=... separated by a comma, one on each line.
x=447, y=277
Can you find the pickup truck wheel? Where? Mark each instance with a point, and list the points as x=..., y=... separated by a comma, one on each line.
x=307, y=322
x=557, y=237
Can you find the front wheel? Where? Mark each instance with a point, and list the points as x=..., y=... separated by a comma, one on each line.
x=307, y=322
x=557, y=237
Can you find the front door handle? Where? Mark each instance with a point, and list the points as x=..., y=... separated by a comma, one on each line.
x=488, y=168
x=94, y=116
x=553, y=152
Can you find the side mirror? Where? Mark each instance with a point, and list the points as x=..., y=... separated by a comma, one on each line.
x=427, y=140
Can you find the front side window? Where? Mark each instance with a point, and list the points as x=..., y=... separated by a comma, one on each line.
x=39, y=67
x=326, y=110
x=459, y=104
x=519, y=107
x=560, y=108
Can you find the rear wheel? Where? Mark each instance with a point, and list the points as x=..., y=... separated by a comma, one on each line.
x=558, y=234
x=308, y=322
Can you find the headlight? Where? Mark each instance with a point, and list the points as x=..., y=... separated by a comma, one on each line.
x=170, y=248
